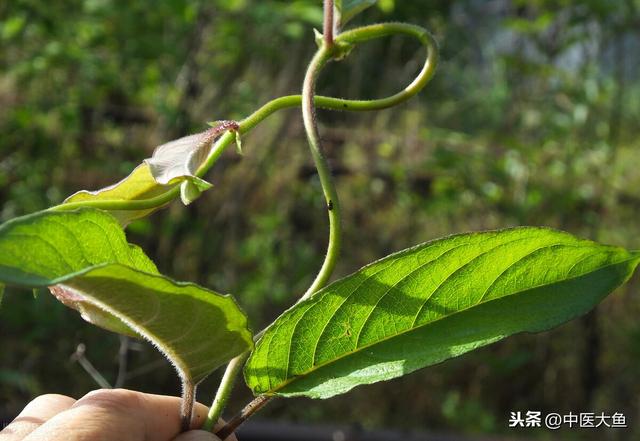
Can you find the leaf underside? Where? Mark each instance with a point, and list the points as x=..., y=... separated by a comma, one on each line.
x=196, y=329
x=432, y=302
x=85, y=260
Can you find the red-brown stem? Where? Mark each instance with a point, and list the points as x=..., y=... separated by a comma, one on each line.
x=186, y=406
x=213, y=133
x=251, y=408
x=327, y=30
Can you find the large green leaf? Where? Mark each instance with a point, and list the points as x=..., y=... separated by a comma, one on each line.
x=430, y=303
x=84, y=258
x=347, y=9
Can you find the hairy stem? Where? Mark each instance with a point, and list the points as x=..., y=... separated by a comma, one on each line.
x=251, y=408
x=186, y=406
x=327, y=28
x=309, y=117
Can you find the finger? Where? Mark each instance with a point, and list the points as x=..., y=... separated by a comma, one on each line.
x=36, y=413
x=118, y=414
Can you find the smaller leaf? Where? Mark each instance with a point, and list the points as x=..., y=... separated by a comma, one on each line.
x=347, y=9
x=170, y=165
x=139, y=185
x=174, y=161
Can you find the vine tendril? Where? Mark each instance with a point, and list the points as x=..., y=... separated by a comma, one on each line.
x=354, y=37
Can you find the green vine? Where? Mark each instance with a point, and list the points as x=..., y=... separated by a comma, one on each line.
x=328, y=50
x=353, y=37
x=326, y=181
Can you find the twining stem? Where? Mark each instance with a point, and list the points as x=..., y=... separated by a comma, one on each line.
x=354, y=36
x=333, y=207
x=351, y=37
x=187, y=403
x=326, y=180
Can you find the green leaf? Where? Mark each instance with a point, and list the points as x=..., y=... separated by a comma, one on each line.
x=196, y=329
x=140, y=184
x=347, y=9
x=42, y=247
x=85, y=260
x=430, y=303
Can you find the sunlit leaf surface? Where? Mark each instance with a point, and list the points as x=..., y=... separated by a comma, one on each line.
x=430, y=303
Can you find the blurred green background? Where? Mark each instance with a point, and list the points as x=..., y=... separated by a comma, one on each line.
x=532, y=118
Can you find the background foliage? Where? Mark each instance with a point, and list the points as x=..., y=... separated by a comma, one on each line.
x=531, y=119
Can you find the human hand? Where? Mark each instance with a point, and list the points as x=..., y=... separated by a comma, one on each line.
x=106, y=415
